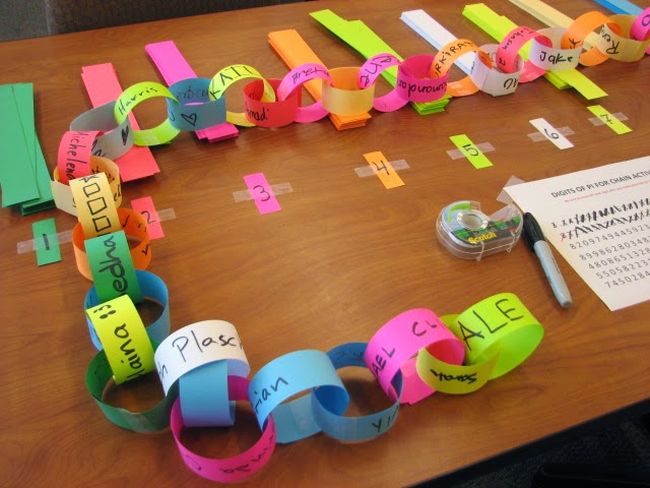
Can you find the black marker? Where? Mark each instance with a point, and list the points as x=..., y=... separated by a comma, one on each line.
x=535, y=239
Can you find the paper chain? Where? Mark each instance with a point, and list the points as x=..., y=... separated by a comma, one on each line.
x=412, y=355
x=198, y=103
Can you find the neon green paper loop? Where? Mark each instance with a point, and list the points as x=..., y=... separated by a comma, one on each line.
x=126, y=343
x=232, y=74
x=498, y=325
x=156, y=418
x=133, y=96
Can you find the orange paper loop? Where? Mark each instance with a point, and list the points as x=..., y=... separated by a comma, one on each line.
x=343, y=96
x=578, y=31
x=445, y=59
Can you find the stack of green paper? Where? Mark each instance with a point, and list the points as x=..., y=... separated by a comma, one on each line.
x=364, y=40
x=24, y=177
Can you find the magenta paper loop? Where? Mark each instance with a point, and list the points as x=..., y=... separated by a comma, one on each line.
x=375, y=66
x=641, y=26
x=507, y=56
x=640, y=29
x=294, y=79
x=553, y=57
x=235, y=468
x=368, y=74
x=394, y=346
x=414, y=82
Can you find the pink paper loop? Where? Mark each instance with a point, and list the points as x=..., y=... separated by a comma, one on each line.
x=394, y=346
x=414, y=83
x=75, y=151
x=640, y=29
x=375, y=66
x=294, y=79
x=507, y=56
x=368, y=74
x=235, y=468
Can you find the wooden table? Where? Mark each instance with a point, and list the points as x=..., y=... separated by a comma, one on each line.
x=342, y=257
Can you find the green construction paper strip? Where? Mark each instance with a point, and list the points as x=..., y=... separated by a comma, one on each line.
x=111, y=265
x=608, y=119
x=46, y=244
x=24, y=96
x=497, y=26
x=470, y=151
x=365, y=41
x=16, y=173
x=99, y=374
x=498, y=325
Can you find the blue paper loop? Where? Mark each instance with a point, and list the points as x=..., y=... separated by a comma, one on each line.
x=153, y=288
x=288, y=375
x=203, y=393
x=195, y=110
x=353, y=429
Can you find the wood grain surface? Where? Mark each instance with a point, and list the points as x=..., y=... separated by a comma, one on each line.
x=342, y=257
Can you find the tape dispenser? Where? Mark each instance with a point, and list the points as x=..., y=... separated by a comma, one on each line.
x=468, y=233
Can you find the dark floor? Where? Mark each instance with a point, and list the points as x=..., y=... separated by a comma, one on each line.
x=21, y=19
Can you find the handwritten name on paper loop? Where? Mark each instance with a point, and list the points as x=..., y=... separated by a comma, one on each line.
x=490, y=79
x=293, y=81
x=235, y=468
x=343, y=427
x=507, y=54
x=133, y=225
x=153, y=288
x=134, y=96
x=269, y=114
x=120, y=329
x=197, y=344
x=394, y=345
x=193, y=109
x=288, y=375
x=114, y=139
x=95, y=205
x=415, y=83
x=553, y=57
x=112, y=267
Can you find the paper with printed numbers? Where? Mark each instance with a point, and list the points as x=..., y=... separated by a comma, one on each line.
x=599, y=221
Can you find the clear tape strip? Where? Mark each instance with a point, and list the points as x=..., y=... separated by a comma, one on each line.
x=278, y=189
x=365, y=171
x=513, y=180
x=484, y=147
x=598, y=121
x=65, y=236
x=538, y=136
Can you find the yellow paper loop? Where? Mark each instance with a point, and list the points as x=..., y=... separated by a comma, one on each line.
x=501, y=325
x=133, y=96
x=614, y=40
x=230, y=75
x=95, y=205
x=452, y=378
